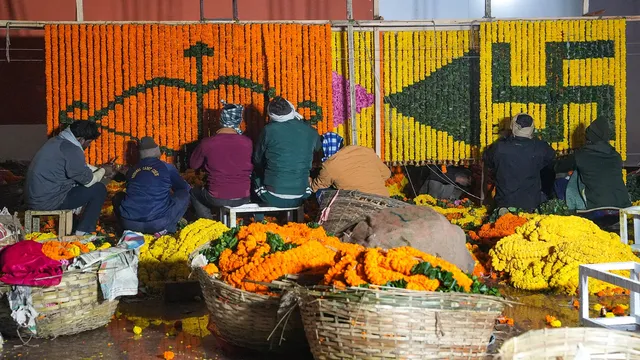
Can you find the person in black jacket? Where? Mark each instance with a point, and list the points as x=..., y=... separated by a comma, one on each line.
x=516, y=162
x=599, y=168
x=448, y=185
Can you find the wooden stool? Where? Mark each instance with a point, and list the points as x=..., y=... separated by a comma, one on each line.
x=65, y=220
x=228, y=215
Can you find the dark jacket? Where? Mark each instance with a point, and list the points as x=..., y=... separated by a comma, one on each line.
x=284, y=154
x=600, y=168
x=57, y=167
x=149, y=186
x=516, y=163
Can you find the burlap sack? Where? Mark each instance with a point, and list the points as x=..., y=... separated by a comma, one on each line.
x=417, y=226
x=10, y=228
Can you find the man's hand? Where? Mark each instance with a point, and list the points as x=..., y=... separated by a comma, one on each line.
x=109, y=172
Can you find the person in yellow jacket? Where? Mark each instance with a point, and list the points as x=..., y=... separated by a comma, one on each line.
x=350, y=168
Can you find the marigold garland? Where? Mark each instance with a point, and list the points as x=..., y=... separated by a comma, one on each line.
x=134, y=84
x=546, y=252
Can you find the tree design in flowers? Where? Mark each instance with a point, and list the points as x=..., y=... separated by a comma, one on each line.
x=446, y=100
x=555, y=94
x=198, y=51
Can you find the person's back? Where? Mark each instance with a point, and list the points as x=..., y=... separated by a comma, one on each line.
x=226, y=157
x=516, y=162
x=148, y=195
x=288, y=155
x=355, y=168
x=600, y=168
x=47, y=182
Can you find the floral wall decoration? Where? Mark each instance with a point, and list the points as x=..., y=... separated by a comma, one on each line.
x=364, y=84
x=564, y=73
x=167, y=81
x=430, y=98
x=444, y=95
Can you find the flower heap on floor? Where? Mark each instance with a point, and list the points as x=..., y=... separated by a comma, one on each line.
x=546, y=252
x=460, y=212
x=262, y=253
x=165, y=259
x=65, y=250
x=396, y=183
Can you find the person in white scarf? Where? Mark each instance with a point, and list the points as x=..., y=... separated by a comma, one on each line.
x=283, y=156
x=60, y=179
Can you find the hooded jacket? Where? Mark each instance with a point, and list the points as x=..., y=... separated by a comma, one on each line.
x=600, y=168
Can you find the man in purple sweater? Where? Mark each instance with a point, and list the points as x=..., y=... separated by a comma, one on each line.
x=226, y=158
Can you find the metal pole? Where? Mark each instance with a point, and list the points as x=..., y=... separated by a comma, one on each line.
x=585, y=7
x=235, y=9
x=201, y=10
x=352, y=74
x=79, y=11
x=377, y=91
x=487, y=9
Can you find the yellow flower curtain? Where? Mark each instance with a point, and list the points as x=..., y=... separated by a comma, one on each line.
x=445, y=94
x=564, y=73
x=167, y=81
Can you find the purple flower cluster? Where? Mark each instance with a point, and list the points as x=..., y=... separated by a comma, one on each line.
x=342, y=99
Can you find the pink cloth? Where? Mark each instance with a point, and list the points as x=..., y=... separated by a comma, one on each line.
x=23, y=263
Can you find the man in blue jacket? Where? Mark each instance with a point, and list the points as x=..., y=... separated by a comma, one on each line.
x=60, y=179
x=156, y=196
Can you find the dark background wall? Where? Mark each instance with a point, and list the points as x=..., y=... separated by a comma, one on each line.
x=628, y=8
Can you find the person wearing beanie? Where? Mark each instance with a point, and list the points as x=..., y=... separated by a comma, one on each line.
x=226, y=160
x=516, y=163
x=283, y=156
x=596, y=181
x=350, y=168
x=156, y=196
x=60, y=179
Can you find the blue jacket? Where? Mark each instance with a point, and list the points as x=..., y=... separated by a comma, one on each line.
x=149, y=186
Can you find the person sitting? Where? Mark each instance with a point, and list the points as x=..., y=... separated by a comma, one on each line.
x=516, y=162
x=283, y=156
x=597, y=178
x=148, y=205
x=226, y=159
x=350, y=168
x=59, y=178
x=449, y=185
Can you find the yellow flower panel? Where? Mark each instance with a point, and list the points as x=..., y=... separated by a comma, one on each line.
x=567, y=72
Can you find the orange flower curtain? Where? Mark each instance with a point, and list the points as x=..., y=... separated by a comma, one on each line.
x=167, y=81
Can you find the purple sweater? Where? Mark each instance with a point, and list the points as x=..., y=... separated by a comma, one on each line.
x=227, y=160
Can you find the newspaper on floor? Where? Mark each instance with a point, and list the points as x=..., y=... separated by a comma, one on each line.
x=118, y=272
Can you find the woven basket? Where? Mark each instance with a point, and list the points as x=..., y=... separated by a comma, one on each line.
x=351, y=207
x=559, y=344
x=73, y=306
x=251, y=320
x=398, y=324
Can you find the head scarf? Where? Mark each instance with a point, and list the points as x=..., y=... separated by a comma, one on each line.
x=331, y=143
x=282, y=118
x=231, y=116
x=598, y=131
x=522, y=126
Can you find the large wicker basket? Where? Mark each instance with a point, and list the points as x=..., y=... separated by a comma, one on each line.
x=347, y=208
x=377, y=324
x=251, y=320
x=558, y=344
x=73, y=306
